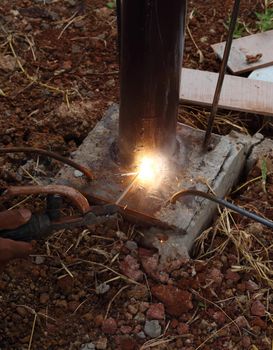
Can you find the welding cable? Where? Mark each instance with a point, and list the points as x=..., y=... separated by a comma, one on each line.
x=75, y=197
x=223, y=203
x=86, y=171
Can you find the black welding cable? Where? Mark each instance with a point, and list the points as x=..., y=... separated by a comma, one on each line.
x=223, y=203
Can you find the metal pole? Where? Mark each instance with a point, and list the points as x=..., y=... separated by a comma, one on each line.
x=222, y=72
x=151, y=48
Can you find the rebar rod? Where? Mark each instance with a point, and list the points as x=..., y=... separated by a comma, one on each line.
x=86, y=171
x=223, y=203
x=222, y=72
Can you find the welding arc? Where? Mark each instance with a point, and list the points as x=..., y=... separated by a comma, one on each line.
x=86, y=171
x=223, y=203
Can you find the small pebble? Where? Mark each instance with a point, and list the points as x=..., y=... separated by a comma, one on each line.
x=141, y=335
x=78, y=173
x=101, y=344
x=152, y=328
x=133, y=309
x=131, y=245
x=102, y=288
x=140, y=317
x=156, y=312
x=88, y=346
x=39, y=260
x=109, y=326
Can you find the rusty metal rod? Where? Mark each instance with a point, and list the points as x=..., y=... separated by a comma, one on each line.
x=222, y=72
x=86, y=171
x=75, y=197
x=223, y=203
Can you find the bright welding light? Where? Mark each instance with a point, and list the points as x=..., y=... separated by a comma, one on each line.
x=150, y=170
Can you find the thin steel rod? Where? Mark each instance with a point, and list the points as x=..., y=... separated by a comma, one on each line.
x=222, y=72
x=87, y=172
x=223, y=203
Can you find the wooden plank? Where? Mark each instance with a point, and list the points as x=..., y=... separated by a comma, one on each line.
x=239, y=94
x=252, y=45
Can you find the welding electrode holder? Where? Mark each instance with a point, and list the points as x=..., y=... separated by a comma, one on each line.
x=37, y=228
x=39, y=225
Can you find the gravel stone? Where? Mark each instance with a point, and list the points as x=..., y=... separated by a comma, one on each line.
x=156, y=312
x=102, y=288
x=140, y=317
x=141, y=335
x=101, y=344
x=39, y=260
x=88, y=346
x=109, y=326
x=131, y=245
x=152, y=328
x=257, y=309
x=130, y=268
x=78, y=173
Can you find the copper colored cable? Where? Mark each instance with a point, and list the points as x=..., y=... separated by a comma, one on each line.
x=73, y=195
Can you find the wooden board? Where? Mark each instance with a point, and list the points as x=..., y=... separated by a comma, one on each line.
x=261, y=43
x=240, y=94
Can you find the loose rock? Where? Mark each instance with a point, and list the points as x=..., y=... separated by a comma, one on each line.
x=130, y=268
x=156, y=312
x=101, y=344
x=257, y=308
x=125, y=329
x=88, y=346
x=182, y=328
x=109, y=326
x=176, y=301
x=152, y=328
x=138, y=292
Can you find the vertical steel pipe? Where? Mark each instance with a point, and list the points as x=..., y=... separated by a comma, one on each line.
x=151, y=49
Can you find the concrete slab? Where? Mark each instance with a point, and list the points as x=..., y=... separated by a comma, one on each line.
x=191, y=167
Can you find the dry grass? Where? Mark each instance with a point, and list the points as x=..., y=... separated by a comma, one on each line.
x=225, y=121
x=253, y=254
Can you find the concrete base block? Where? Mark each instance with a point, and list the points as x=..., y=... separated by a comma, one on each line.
x=192, y=167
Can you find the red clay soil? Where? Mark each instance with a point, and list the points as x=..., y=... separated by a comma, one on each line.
x=73, y=292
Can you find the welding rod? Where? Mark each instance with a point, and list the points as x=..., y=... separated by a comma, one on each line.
x=127, y=190
x=223, y=203
x=222, y=72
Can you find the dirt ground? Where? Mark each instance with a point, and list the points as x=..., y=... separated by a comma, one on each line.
x=93, y=288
